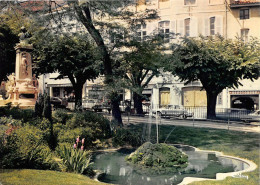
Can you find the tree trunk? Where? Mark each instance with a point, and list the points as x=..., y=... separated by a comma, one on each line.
x=211, y=104
x=116, y=114
x=138, y=103
x=87, y=21
x=78, y=96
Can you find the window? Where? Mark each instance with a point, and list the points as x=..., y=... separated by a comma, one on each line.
x=244, y=34
x=141, y=32
x=116, y=35
x=164, y=30
x=244, y=14
x=187, y=27
x=164, y=96
x=212, y=25
x=189, y=2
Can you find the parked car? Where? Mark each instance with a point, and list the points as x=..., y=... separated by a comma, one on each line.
x=252, y=117
x=88, y=104
x=99, y=107
x=172, y=111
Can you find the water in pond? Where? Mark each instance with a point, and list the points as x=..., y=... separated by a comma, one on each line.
x=201, y=164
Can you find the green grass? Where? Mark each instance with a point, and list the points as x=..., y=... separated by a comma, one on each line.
x=239, y=144
x=43, y=177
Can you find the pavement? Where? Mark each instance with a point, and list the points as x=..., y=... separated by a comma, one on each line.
x=198, y=123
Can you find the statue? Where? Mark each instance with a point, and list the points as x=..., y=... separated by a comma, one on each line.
x=12, y=80
x=24, y=35
x=24, y=65
x=35, y=81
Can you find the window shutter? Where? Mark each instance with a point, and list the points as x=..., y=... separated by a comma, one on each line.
x=206, y=27
x=181, y=27
x=219, y=25
x=194, y=27
x=149, y=28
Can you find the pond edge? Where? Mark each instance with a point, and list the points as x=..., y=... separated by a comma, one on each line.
x=188, y=180
x=220, y=176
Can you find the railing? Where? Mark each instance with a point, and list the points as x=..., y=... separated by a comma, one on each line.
x=201, y=112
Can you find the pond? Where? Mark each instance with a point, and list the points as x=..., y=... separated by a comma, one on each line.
x=201, y=164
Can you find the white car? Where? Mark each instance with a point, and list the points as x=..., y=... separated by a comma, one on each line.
x=252, y=117
x=172, y=111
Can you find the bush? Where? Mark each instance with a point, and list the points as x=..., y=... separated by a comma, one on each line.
x=26, y=147
x=158, y=158
x=75, y=160
x=69, y=136
x=9, y=120
x=61, y=116
x=24, y=115
x=97, y=124
x=123, y=137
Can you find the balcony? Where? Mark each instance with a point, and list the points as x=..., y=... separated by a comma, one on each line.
x=244, y=3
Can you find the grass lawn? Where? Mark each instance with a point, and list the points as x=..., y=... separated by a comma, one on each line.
x=43, y=177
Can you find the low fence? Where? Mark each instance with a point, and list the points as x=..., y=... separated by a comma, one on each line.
x=201, y=112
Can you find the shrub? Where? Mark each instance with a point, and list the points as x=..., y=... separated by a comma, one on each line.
x=9, y=120
x=75, y=160
x=68, y=136
x=124, y=137
x=158, y=158
x=26, y=147
x=20, y=114
x=61, y=116
x=97, y=124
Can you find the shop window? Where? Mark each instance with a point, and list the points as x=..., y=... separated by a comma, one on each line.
x=244, y=14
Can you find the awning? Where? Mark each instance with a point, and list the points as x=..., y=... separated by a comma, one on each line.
x=245, y=92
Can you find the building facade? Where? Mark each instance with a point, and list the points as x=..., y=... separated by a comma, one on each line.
x=178, y=18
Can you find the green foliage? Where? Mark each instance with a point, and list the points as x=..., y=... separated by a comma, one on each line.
x=7, y=52
x=70, y=135
x=47, y=113
x=72, y=56
x=98, y=125
x=75, y=160
x=61, y=116
x=9, y=120
x=158, y=158
x=39, y=105
x=216, y=62
x=20, y=114
x=124, y=137
x=26, y=147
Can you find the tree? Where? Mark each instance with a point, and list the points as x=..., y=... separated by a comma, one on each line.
x=72, y=56
x=141, y=62
x=217, y=62
x=7, y=51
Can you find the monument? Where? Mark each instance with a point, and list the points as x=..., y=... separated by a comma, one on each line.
x=23, y=88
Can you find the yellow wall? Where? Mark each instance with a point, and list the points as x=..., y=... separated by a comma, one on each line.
x=194, y=96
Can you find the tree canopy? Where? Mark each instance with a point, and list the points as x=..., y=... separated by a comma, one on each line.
x=217, y=62
x=74, y=57
x=7, y=52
